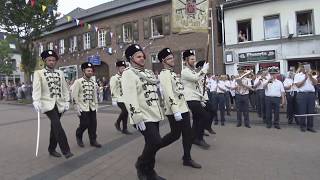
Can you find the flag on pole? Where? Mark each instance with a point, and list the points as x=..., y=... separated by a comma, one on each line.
x=190, y=15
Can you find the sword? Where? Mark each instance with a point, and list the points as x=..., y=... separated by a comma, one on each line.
x=306, y=115
x=38, y=134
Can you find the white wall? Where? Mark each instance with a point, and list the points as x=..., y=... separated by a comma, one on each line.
x=285, y=8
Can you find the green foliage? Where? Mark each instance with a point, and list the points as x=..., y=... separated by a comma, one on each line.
x=26, y=24
x=5, y=61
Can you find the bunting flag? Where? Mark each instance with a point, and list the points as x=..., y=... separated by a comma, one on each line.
x=33, y=3
x=111, y=34
x=96, y=28
x=27, y=1
x=44, y=8
x=77, y=21
x=69, y=18
x=89, y=26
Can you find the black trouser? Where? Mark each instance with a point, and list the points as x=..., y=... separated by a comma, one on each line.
x=242, y=103
x=272, y=105
x=291, y=106
x=253, y=99
x=123, y=116
x=261, y=103
x=227, y=101
x=212, y=111
x=88, y=120
x=200, y=118
x=152, y=138
x=306, y=105
x=177, y=128
x=221, y=106
x=57, y=134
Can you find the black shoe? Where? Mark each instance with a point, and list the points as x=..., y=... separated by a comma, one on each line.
x=211, y=131
x=222, y=124
x=311, y=130
x=155, y=176
x=125, y=131
x=303, y=129
x=192, y=164
x=68, y=155
x=95, y=144
x=55, y=154
x=202, y=144
x=80, y=142
x=216, y=123
x=268, y=126
x=117, y=126
x=248, y=126
x=239, y=125
x=277, y=127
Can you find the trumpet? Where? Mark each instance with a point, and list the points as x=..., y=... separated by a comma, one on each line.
x=314, y=74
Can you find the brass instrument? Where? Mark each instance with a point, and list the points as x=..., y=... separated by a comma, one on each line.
x=314, y=74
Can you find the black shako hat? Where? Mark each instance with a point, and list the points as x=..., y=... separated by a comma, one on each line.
x=87, y=65
x=48, y=53
x=121, y=63
x=164, y=53
x=131, y=50
x=200, y=64
x=187, y=53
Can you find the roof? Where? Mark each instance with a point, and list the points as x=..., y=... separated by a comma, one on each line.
x=240, y=3
x=104, y=10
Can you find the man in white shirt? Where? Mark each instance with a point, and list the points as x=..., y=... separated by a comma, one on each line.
x=258, y=86
x=291, y=93
x=305, y=97
x=213, y=98
x=221, y=90
x=275, y=97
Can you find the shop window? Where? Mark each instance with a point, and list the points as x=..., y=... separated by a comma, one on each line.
x=127, y=32
x=244, y=31
x=304, y=23
x=156, y=26
x=272, y=28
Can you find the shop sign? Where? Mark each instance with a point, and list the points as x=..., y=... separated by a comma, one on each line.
x=95, y=59
x=257, y=56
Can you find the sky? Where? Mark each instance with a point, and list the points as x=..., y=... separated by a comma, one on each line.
x=66, y=6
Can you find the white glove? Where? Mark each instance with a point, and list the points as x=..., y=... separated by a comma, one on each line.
x=114, y=103
x=66, y=106
x=79, y=110
x=97, y=108
x=205, y=67
x=203, y=104
x=178, y=116
x=37, y=106
x=141, y=126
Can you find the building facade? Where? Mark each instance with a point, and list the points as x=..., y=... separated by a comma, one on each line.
x=120, y=23
x=264, y=33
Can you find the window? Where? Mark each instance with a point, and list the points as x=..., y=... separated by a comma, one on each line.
x=304, y=23
x=86, y=41
x=14, y=64
x=40, y=49
x=12, y=46
x=50, y=46
x=272, y=27
x=154, y=58
x=61, y=46
x=244, y=31
x=127, y=32
x=101, y=38
x=73, y=44
x=156, y=26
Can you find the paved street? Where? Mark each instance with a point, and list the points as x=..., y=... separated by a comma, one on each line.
x=236, y=153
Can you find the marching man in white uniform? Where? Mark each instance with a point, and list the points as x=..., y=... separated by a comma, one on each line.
x=176, y=108
x=142, y=102
x=51, y=96
x=117, y=97
x=84, y=94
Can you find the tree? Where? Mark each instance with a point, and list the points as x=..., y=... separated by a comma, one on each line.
x=26, y=23
x=5, y=55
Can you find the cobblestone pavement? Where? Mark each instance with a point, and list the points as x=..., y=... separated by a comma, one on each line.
x=235, y=154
